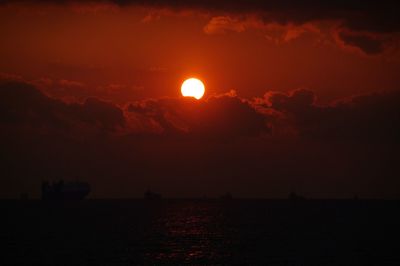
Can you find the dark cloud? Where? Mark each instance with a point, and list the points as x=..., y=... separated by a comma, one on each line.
x=371, y=26
x=101, y=113
x=202, y=147
x=297, y=100
x=376, y=16
x=23, y=104
x=368, y=44
x=372, y=117
x=222, y=116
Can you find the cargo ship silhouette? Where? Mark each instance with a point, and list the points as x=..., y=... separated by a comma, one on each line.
x=65, y=190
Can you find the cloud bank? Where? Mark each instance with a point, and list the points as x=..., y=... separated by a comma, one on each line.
x=370, y=26
x=261, y=147
x=370, y=116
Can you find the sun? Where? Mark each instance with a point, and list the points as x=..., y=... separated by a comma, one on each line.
x=193, y=88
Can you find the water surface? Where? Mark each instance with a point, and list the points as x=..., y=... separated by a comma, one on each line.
x=200, y=232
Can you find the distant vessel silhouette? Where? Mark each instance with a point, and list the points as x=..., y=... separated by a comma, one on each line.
x=24, y=196
x=150, y=195
x=294, y=197
x=65, y=190
x=227, y=196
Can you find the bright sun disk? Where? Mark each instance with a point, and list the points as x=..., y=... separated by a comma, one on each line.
x=193, y=88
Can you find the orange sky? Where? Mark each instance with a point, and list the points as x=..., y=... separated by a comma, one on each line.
x=128, y=53
x=300, y=95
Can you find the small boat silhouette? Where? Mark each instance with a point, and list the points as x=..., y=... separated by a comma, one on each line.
x=295, y=197
x=227, y=196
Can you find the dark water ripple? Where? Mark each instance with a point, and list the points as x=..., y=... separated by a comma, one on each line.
x=200, y=232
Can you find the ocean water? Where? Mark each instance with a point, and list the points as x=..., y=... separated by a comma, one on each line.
x=200, y=232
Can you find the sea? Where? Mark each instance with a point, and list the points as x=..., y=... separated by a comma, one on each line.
x=200, y=232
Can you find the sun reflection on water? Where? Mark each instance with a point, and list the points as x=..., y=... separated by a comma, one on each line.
x=189, y=233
